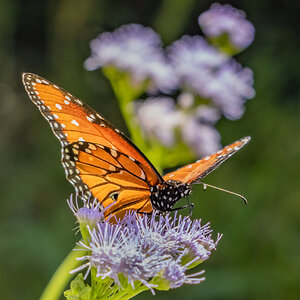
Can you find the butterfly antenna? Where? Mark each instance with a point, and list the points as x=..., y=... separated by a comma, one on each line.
x=205, y=185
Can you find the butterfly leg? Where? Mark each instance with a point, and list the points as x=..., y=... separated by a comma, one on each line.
x=190, y=206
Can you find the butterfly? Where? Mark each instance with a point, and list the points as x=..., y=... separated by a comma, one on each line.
x=100, y=161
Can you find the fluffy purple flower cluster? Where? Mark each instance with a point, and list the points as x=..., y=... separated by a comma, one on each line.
x=218, y=85
x=150, y=250
x=196, y=126
x=212, y=76
x=225, y=19
x=135, y=49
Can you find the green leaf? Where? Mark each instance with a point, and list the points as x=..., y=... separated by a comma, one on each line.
x=79, y=290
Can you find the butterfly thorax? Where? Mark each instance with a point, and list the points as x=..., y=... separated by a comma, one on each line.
x=164, y=196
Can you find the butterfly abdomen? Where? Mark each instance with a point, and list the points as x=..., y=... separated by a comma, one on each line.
x=164, y=196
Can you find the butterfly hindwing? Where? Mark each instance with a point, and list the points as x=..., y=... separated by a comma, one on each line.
x=201, y=168
x=72, y=120
x=114, y=178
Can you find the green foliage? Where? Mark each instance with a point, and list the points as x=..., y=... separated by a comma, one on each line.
x=78, y=289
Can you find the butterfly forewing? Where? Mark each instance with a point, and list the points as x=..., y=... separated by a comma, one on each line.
x=101, y=162
x=72, y=120
x=201, y=168
x=117, y=181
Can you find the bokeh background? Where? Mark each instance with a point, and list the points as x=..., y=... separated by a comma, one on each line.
x=259, y=255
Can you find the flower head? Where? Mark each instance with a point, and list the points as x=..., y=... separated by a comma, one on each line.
x=229, y=87
x=136, y=50
x=192, y=59
x=201, y=135
x=151, y=250
x=175, y=275
x=159, y=118
x=88, y=213
x=212, y=76
x=225, y=19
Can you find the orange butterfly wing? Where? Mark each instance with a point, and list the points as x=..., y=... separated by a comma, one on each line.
x=118, y=181
x=100, y=160
x=201, y=168
x=72, y=120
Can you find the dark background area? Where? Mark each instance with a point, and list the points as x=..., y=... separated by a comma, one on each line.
x=258, y=257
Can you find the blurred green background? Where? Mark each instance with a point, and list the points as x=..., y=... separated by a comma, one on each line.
x=259, y=255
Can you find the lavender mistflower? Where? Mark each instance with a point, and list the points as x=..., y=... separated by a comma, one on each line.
x=86, y=213
x=193, y=59
x=159, y=117
x=175, y=275
x=225, y=19
x=153, y=251
x=199, y=133
x=134, y=49
x=212, y=76
x=230, y=87
x=203, y=138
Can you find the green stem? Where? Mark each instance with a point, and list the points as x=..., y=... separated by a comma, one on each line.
x=62, y=276
x=126, y=93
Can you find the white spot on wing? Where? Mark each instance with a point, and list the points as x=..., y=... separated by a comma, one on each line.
x=113, y=153
x=75, y=122
x=143, y=176
x=58, y=106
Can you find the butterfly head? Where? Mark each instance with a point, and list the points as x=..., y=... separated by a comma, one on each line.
x=164, y=196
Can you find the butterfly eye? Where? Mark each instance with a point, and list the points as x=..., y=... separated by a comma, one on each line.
x=114, y=196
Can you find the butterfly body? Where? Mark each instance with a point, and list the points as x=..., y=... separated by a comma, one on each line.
x=101, y=162
x=164, y=196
